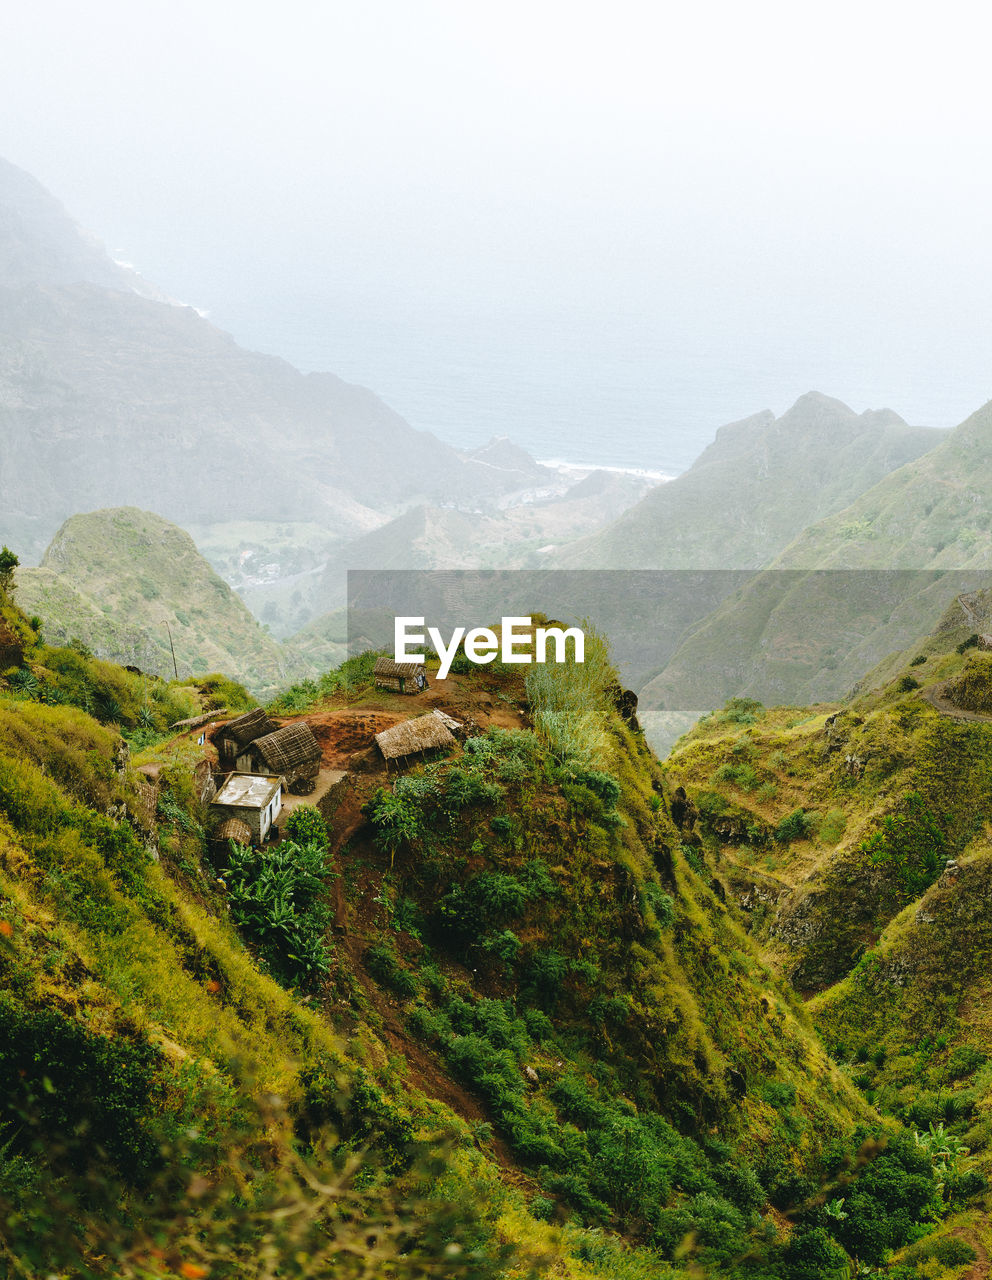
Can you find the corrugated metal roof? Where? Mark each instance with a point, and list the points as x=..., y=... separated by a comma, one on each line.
x=247, y=790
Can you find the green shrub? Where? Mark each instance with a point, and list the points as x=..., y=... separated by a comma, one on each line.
x=798, y=825
x=360, y=1115
x=544, y=974
x=832, y=826
x=504, y=946
x=539, y=1025
x=711, y=805
x=463, y=787
x=779, y=1095
x=491, y=899
x=89, y=1096
x=812, y=1255
x=397, y=816
x=603, y=785
x=542, y=1208
x=910, y=844
x=305, y=825
x=949, y=1251
x=964, y=1060
x=896, y=1192
x=744, y=711
x=382, y=963
x=278, y=900
x=661, y=904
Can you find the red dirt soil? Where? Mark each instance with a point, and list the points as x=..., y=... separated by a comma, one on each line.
x=343, y=734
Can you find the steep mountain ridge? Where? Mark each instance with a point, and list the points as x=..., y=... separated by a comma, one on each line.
x=761, y=481
x=873, y=577
x=40, y=244
x=854, y=839
x=111, y=395
x=931, y=513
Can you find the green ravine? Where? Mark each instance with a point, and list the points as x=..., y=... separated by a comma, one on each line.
x=505, y=1016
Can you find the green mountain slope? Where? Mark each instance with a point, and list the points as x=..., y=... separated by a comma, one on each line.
x=931, y=513
x=758, y=485
x=854, y=840
x=534, y=1026
x=811, y=625
x=123, y=581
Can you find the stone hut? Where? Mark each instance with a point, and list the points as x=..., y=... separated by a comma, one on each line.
x=254, y=799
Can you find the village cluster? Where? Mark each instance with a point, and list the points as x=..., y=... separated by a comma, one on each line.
x=264, y=769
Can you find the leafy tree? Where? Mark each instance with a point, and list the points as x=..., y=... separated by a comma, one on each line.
x=306, y=826
x=8, y=563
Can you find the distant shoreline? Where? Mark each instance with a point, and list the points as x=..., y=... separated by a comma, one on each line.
x=587, y=468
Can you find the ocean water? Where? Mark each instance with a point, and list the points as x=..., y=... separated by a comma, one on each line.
x=624, y=388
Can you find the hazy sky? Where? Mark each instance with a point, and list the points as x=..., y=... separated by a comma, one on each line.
x=797, y=194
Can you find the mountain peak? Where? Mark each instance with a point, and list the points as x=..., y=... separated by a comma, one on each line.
x=816, y=404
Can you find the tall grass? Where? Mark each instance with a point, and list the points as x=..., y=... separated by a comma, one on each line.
x=571, y=705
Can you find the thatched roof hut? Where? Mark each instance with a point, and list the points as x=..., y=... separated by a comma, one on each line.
x=401, y=677
x=232, y=737
x=292, y=751
x=425, y=733
x=288, y=748
x=233, y=829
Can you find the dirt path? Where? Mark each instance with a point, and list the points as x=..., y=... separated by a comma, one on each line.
x=935, y=696
x=980, y=1267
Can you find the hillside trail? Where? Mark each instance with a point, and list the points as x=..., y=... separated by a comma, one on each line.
x=980, y=1269
x=935, y=696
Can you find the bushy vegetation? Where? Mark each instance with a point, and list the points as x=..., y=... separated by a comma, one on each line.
x=534, y=932
x=909, y=845
x=278, y=900
x=262, y=1207
x=135, y=1033
x=972, y=689
x=141, y=706
x=87, y=1096
x=571, y=704
x=219, y=691
x=352, y=676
